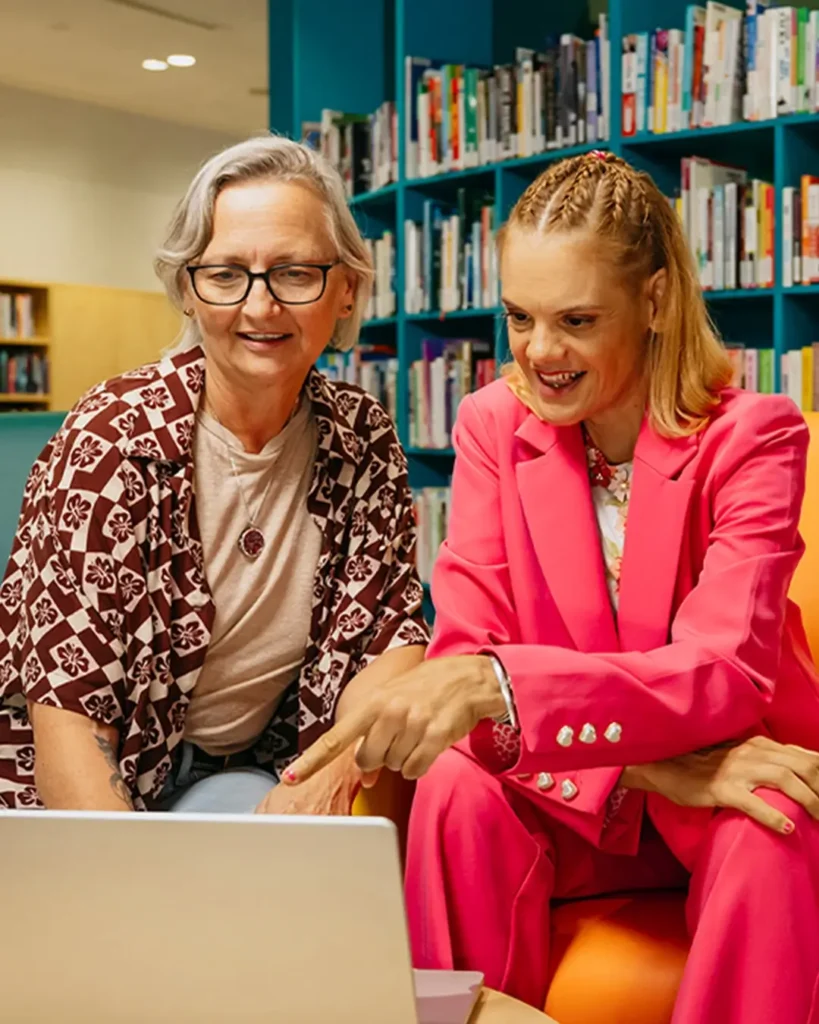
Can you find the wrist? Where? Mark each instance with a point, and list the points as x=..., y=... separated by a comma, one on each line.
x=491, y=700
x=636, y=776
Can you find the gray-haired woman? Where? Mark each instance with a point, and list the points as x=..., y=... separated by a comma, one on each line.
x=215, y=558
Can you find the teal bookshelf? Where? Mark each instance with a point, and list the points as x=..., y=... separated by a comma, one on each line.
x=368, y=68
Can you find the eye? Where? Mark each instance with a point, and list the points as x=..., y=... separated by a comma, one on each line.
x=576, y=322
x=296, y=275
x=516, y=317
x=224, y=275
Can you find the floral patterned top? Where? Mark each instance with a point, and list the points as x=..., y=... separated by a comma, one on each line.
x=105, y=608
x=610, y=487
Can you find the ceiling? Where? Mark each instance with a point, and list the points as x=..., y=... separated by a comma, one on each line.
x=92, y=50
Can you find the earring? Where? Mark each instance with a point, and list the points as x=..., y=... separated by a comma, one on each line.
x=188, y=312
x=349, y=308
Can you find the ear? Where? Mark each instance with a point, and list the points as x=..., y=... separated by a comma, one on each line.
x=655, y=288
x=348, y=294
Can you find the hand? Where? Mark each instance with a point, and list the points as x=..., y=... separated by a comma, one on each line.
x=727, y=776
x=330, y=792
x=407, y=721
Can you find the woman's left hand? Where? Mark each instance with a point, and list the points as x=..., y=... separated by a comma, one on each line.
x=407, y=721
x=330, y=791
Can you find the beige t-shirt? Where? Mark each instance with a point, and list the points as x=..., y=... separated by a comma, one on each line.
x=263, y=607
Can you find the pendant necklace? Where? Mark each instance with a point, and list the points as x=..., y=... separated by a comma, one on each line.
x=251, y=540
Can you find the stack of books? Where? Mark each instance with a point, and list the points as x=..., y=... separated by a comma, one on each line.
x=800, y=232
x=372, y=367
x=450, y=259
x=549, y=98
x=446, y=372
x=23, y=373
x=16, y=315
x=722, y=66
x=729, y=222
x=362, y=147
x=382, y=299
x=432, y=518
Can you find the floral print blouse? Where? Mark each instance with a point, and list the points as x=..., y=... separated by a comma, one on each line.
x=610, y=487
x=105, y=608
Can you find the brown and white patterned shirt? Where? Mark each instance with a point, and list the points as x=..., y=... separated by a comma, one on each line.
x=105, y=608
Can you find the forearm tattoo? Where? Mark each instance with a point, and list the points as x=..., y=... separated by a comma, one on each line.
x=116, y=781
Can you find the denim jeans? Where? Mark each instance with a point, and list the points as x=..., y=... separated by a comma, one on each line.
x=192, y=790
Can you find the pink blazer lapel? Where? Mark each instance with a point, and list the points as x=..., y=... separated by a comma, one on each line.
x=556, y=498
x=657, y=514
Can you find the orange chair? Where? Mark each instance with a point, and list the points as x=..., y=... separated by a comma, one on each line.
x=619, y=959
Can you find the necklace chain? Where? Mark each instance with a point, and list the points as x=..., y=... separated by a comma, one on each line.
x=250, y=517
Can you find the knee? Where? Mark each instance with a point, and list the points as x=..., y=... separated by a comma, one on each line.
x=455, y=782
x=758, y=848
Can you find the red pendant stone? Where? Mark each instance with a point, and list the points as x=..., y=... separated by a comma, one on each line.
x=251, y=542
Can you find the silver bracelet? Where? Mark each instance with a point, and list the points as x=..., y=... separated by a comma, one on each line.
x=511, y=715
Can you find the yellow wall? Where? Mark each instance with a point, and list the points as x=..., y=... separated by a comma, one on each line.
x=98, y=333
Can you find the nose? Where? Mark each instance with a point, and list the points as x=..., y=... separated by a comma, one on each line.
x=260, y=301
x=545, y=344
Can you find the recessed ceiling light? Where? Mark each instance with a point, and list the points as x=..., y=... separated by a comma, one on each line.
x=155, y=65
x=181, y=60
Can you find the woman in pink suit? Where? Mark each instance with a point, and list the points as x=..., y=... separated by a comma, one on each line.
x=623, y=691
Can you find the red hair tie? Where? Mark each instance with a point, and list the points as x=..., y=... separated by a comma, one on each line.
x=599, y=153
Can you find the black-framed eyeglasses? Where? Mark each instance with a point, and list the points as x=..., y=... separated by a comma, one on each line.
x=291, y=284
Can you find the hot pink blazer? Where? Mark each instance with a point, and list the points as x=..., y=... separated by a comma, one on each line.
x=706, y=645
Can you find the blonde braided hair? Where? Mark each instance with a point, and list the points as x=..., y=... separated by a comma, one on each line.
x=640, y=233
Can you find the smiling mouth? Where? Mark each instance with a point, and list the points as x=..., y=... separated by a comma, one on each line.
x=561, y=381
x=266, y=338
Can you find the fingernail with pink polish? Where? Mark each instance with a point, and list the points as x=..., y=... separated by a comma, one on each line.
x=788, y=827
x=290, y=775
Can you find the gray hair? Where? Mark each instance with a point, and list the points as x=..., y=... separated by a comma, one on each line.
x=264, y=157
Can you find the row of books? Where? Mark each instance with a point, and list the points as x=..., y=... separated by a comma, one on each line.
x=372, y=367
x=450, y=260
x=447, y=371
x=431, y=505
x=382, y=299
x=800, y=232
x=16, y=315
x=460, y=116
x=23, y=373
x=798, y=368
x=362, y=147
x=724, y=66
x=729, y=222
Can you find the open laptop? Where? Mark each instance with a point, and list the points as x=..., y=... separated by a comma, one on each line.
x=198, y=919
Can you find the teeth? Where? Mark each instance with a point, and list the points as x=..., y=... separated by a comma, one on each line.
x=264, y=337
x=559, y=380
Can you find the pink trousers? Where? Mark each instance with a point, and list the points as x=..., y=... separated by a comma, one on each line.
x=483, y=862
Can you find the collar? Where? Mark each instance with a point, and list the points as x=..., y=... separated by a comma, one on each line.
x=666, y=455
x=164, y=400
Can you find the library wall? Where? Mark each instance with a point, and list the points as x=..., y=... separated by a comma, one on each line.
x=86, y=192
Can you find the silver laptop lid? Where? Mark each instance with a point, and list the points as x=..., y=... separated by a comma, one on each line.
x=199, y=918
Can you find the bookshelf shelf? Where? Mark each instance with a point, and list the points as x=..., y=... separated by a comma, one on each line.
x=455, y=314
x=24, y=399
x=24, y=342
x=692, y=136
x=378, y=197
x=738, y=294
x=380, y=321
x=802, y=289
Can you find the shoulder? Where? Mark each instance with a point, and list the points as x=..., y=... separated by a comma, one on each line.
x=353, y=423
x=488, y=420
x=745, y=421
